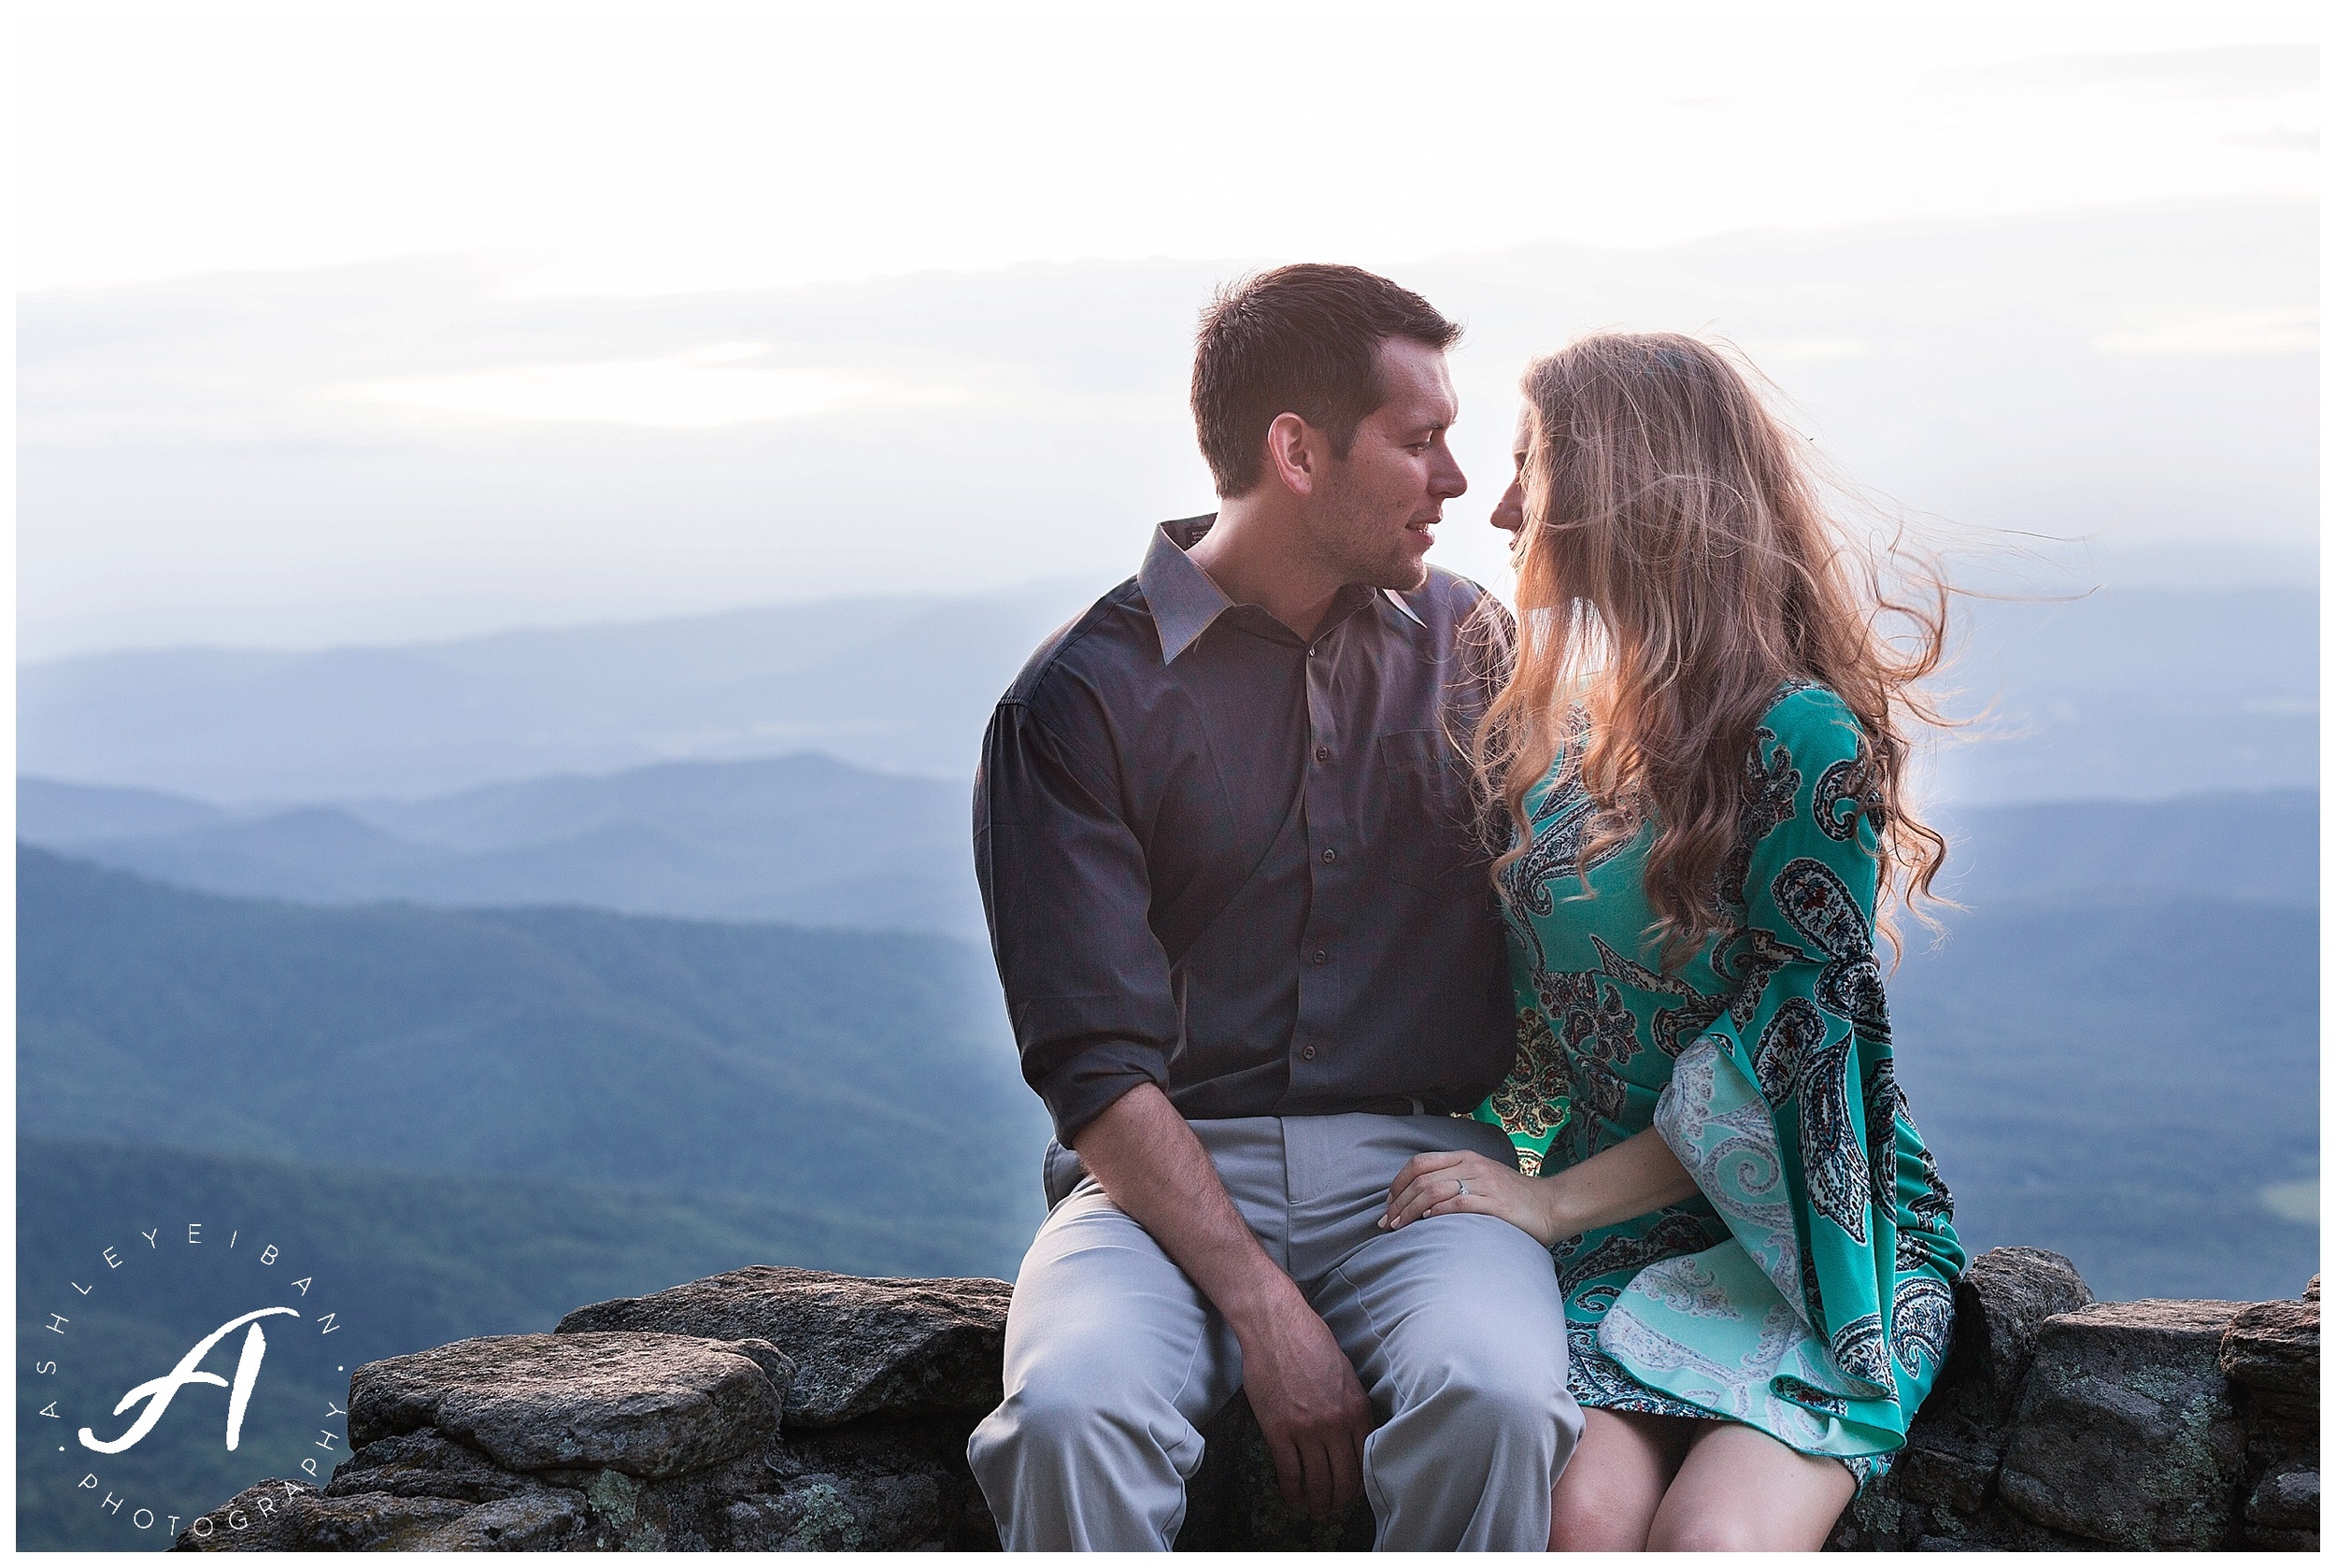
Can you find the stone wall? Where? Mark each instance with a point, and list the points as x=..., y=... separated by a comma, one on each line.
x=2064, y=1424
x=775, y=1408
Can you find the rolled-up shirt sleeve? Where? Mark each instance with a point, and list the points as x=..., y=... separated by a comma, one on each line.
x=1064, y=884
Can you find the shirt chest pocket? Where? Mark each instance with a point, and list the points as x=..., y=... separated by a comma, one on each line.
x=1425, y=835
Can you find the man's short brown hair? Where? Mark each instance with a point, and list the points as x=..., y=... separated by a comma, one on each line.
x=1303, y=340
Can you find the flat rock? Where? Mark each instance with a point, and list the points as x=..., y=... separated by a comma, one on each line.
x=872, y=1486
x=2274, y=1350
x=2001, y=1304
x=279, y=1516
x=540, y=1519
x=425, y=1463
x=2287, y=1501
x=276, y=1516
x=644, y=1404
x=2125, y=1433
x=861, y=1347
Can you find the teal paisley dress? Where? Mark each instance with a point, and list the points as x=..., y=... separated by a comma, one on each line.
x=1807, y=1290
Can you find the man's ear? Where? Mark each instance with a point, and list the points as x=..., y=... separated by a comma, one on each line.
x=1293, y=449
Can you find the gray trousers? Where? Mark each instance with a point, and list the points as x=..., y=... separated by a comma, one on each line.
x=1114, y=1360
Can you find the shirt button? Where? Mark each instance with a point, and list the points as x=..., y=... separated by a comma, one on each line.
x=1329, y=855
x=1308, y=1053
x=1322, y=753
x=1322, y=957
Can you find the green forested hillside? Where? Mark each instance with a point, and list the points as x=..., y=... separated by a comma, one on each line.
x=862, y=1073
x=475, y=1122
x=470, y=1123
x=2127, y=1079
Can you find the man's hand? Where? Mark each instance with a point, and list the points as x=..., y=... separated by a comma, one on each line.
x=1309, y=1404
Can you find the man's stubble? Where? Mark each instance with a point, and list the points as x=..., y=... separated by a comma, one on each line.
x=1359, y=539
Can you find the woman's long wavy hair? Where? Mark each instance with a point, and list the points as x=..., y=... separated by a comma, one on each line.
x=1677, y=563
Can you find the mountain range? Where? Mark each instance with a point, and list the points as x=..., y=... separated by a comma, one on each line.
x=838, y=1071
x=2122, y=693
x=811, y=841
x=2124, y=1010
x=472, y=1120
x=904, y=684
x=803, y=839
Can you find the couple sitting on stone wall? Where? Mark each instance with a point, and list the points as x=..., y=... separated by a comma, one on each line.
x=1466, y=1033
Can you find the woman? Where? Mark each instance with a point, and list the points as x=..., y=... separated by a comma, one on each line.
x=1702, y=759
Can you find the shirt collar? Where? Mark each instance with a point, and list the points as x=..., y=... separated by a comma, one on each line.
x=1185, y=601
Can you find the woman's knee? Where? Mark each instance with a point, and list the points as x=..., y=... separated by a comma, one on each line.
x=1706, y=1533
x=1600, y=1517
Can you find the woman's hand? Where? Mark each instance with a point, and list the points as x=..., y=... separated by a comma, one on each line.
x=1464, y=1183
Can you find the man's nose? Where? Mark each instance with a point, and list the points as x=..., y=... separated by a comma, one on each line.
x=1447, y=481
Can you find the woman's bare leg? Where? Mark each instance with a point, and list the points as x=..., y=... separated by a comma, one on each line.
x=1741, y=1490
x=1607, y=1495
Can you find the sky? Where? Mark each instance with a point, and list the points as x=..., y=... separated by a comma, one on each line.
x=366, y=322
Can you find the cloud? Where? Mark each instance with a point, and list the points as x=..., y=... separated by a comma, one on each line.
x=2234, y=71
x=2240, y=332
x=692, y=390
x=406, y=431
x=1803, y=350
x=2279, y=138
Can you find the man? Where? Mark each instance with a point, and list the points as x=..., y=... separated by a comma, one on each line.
x=1254, y=963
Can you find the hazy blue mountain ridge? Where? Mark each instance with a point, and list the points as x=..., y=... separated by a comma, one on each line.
x=2125, y=694
x=902, y=684
x=2134, y=695
x=802, y=839
x=2238, y=845
x=811, y=841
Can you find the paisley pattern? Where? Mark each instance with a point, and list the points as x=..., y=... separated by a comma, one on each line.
x=1851, y=781
x=1538, y=1095
x=1861, y=1350
x=1812, y=895
x=1831, y=1159
x=1676, y=1027
x=1770, y=783
x=1881, y=1109
x=1744, y=965
x=1922, y=1322
x=1806, y=1288
x=1795, y=1034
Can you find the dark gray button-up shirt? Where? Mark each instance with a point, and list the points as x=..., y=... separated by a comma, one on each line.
x=1243, y=866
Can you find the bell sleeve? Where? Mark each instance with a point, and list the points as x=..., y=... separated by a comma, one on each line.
x=1786, y=1109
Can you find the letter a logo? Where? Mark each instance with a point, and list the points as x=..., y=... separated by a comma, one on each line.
x=159, y=1392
